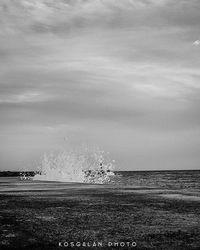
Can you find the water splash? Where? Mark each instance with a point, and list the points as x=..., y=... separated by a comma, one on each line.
x=86, y=166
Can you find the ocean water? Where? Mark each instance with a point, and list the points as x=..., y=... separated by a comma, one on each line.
x=176, y=185
x=182, y=180
x=92, y=165
x=174, y=179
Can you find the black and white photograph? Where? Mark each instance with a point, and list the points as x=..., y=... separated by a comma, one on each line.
x=100, y=124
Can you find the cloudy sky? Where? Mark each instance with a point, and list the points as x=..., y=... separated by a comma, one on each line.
x=121, y=74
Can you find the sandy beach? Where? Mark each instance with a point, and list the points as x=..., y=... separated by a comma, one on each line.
x=47, y=215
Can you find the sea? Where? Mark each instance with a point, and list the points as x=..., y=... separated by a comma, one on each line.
x=168, y=179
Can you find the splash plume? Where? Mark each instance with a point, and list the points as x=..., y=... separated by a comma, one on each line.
x=89, y=166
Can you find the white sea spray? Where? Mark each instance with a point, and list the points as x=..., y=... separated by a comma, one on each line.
x=84, y=166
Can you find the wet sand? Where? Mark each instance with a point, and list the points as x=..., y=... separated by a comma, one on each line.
x=39, y=215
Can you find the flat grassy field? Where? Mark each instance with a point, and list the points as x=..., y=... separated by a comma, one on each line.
x=39, y=215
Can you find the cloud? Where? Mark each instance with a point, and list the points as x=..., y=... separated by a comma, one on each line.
x=24, y=98
x=196, y=43
x=94, y=68
x=66, y=17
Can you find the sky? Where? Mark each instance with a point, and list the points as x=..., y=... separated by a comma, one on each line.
x=119, y=74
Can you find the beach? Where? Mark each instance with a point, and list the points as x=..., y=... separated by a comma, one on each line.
x=58, y=215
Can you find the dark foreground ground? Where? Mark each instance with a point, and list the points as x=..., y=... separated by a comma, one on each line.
x=39, y=215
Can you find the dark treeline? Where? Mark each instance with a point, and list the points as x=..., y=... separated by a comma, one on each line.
x=16, y=173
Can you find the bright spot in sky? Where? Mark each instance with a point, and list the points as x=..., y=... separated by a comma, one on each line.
x=197, y=43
